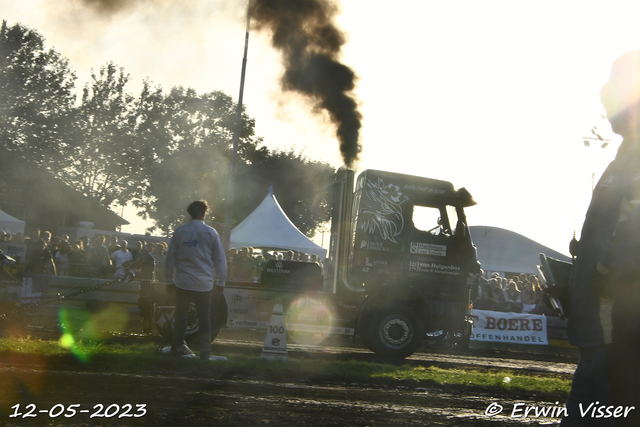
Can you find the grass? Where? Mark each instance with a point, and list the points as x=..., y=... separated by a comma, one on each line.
x=61, y=348
x=141, y=358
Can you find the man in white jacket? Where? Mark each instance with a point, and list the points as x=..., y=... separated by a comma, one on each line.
x=195, y=256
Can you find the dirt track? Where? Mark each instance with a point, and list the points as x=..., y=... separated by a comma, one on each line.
x=189, y=395
x=185, y=400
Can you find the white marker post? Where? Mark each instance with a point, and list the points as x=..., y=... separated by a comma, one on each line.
x=275, y=344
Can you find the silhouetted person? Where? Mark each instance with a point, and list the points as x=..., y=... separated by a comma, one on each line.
x=244, y=267
x=194, y=257
x=604, y=320
x=40, y=260
x=98, y=260
x=122, y=259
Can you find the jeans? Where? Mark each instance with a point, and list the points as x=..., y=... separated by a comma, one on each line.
x=623, y=369
x=590, y=385
x=202, y=300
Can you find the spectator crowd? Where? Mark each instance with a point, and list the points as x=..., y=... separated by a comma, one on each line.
x=107, y=256
x=518, y=294
x=247, y=264
x=100, y=256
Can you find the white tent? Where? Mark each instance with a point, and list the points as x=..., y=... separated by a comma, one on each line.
x=268, y=227
x=505, y=251
x=10, y=224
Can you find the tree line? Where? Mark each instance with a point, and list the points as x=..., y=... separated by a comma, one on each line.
x=158, y=150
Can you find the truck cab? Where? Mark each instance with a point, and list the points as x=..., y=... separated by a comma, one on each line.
x=410, y=252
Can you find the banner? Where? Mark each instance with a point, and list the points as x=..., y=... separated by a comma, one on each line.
x=516, y=328
x=17, y=251
x=309, y=313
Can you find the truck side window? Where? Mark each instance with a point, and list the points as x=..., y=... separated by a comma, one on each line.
x=427, y=219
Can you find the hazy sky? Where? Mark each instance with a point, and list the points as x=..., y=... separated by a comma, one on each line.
x=494, y=96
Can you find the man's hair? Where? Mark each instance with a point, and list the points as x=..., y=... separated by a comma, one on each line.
x=198, y=209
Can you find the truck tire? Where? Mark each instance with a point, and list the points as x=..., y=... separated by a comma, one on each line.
x=193, y=327
x=218, y=320
x=395, y=332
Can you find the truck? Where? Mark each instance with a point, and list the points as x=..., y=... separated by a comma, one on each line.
x=389, y=280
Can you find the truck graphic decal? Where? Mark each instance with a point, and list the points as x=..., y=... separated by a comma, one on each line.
x=432, y=267
x=382, y=210
x=428, y=249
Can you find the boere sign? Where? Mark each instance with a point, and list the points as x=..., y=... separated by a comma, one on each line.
x=517, y=328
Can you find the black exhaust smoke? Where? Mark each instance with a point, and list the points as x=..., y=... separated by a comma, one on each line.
x=107, y=6
x=310, y=44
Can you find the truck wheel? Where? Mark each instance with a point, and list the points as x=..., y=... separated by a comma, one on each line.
x=395, y=332
x=193, y=326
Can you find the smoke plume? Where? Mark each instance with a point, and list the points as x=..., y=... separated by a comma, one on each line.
x=303, y=31
x=310, y=44
x=107, y=6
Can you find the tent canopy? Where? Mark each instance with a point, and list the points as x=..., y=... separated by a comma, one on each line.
x=507, y=251
x=10, y=224
x=269, y=227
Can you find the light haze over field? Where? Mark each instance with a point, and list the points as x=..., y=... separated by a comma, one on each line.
x=494, y=96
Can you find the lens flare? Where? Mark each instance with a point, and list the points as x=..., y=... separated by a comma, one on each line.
x=66, y=341
x=309, y=319
x=79, y=334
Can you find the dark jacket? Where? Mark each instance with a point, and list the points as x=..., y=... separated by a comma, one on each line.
x=592, y=288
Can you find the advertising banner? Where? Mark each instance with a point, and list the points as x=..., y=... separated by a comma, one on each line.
x=17, y=251
x=517, y=328
x=249, y=308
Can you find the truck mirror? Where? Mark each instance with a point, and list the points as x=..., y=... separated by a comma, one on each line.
x=465, y=197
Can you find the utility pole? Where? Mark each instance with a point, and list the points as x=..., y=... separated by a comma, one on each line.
x=236, y=137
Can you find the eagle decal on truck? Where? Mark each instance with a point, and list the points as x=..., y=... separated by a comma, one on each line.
x=382, y=210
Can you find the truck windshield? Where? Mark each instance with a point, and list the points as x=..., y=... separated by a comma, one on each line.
x=425, y=218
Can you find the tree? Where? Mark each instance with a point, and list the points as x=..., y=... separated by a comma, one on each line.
x=302, y=186
x=189, y=136
x=105, y=162
x=36, y=97
x=159, y=151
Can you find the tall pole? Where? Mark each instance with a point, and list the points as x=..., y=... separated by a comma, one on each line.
x=236, y=137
